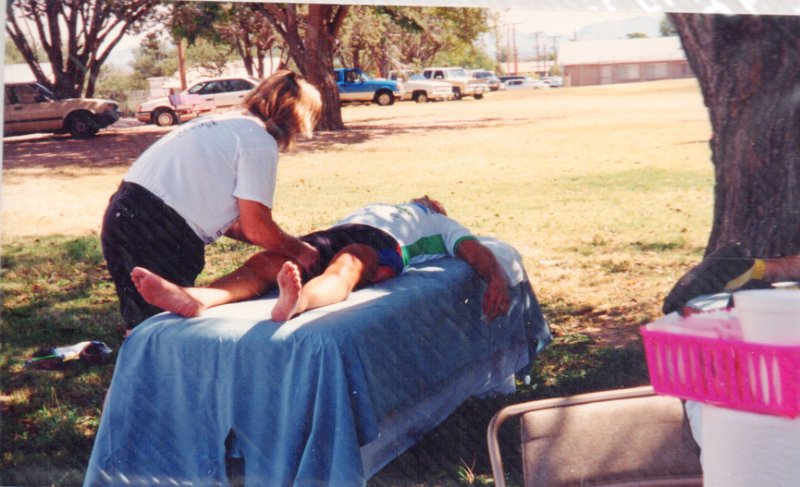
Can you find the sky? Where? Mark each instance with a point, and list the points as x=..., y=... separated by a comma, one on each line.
x=561, y=22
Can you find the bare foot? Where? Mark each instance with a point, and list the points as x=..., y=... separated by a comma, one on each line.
x=163, y=294
x=290, y=286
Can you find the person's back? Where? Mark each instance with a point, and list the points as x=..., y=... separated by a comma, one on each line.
x=421, y=233
x=201, y=168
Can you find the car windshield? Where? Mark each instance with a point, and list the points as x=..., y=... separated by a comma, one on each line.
x=47, y=93
x=356, y=77
x=458, y=72
x=416, y=76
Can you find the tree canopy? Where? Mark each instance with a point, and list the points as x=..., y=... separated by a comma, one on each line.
x=75, y=37
x=380, y=39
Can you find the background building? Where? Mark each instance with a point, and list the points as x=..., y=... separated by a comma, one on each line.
x=601, y=62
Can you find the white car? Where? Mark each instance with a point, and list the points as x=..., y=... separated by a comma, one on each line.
x=203, y=96
x=462, y=84
x=525, y=83
x=421, y=89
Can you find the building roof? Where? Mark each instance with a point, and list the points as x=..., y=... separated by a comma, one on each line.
x=621, y=50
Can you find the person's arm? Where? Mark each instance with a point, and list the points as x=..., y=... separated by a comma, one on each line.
x=256, y=226
x=496, y=299
x=782, y=268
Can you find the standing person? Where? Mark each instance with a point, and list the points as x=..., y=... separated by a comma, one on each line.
x=213, y=176
x=370, y=245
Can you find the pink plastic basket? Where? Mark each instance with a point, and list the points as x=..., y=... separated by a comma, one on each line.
x=727, y=373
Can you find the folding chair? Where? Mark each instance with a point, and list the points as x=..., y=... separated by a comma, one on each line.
x=619, y=437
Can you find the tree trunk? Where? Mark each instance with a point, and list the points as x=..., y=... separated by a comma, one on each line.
x=319, y=51
x=313, y=53
x=747, y=67
x=181, y=63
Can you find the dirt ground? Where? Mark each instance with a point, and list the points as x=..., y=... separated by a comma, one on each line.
x=39, y=194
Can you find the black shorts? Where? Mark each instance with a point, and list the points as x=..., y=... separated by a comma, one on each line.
x=329, y=242
x=139, y=229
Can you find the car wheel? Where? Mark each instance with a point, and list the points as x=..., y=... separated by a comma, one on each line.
x=164, y=117
x=457, y=93
x=81, y=125
x=478, y=96
x=384, y=98
x=421, y=97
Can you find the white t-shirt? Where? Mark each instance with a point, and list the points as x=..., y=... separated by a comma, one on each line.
x=421, y=233
x=201, y=168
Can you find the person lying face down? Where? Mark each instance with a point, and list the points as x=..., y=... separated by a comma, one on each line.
x=372, y=244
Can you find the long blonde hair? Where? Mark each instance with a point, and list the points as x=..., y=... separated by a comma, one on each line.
x=288, y=104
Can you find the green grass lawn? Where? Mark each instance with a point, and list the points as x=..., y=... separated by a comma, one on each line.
x=605, y=191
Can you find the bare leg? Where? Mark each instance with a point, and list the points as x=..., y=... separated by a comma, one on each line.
x=164, y=294
x=252, y=279
x=355, y=264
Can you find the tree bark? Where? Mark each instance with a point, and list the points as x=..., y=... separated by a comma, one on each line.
x=747, y=67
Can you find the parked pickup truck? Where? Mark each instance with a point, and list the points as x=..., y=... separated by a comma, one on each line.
x=463, y=84
x=355, y=85
x=421, y=89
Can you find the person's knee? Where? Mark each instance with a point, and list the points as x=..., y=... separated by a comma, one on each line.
x=356, y=258
x=265, y=262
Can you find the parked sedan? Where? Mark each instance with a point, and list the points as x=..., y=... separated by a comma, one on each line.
x=31, y=108
x=204, y=96
x=526, y=83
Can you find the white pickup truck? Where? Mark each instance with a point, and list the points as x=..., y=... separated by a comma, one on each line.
x=421, y=89
x=463, y=84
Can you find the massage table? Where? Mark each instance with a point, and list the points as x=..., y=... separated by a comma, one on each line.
x=327, y=398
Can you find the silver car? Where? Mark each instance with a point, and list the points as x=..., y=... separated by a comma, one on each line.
x=204, y=96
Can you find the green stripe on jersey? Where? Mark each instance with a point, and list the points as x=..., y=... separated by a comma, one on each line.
x=431, y=245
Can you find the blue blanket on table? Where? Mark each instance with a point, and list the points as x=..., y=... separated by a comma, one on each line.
x=295, y=400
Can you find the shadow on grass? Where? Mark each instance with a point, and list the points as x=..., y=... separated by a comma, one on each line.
x=364, y=131
x=108, y=149
x=119, y=147
x=55, y=293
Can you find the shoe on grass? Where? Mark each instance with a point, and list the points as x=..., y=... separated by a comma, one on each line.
x=726, y=269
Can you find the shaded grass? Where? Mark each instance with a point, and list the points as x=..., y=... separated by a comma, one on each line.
x=457, y=448
x=57, y=292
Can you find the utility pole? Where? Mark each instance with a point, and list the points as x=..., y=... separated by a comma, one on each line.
x=511, y=48
x=508, y=49
x=514, y=40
